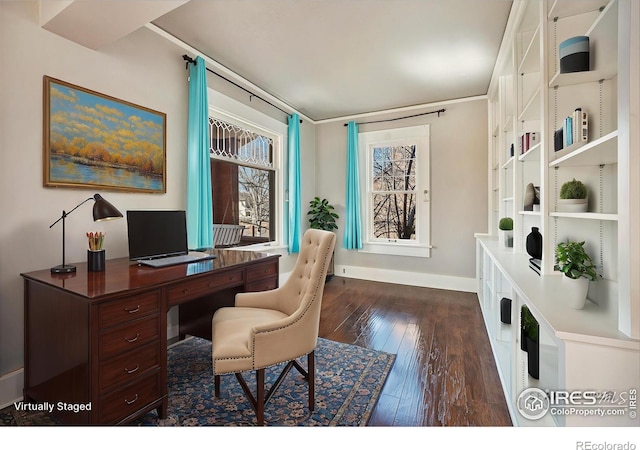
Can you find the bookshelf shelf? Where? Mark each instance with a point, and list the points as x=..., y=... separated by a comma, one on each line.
x=587, y=216
x=533, y=154
x=508, y=164
x=562, y=9
x=601, y=151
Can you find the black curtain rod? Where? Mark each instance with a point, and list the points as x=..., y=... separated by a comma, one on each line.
x=190, y=60
x=400, y=118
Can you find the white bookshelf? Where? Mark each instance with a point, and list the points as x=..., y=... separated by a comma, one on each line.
x=535, y=97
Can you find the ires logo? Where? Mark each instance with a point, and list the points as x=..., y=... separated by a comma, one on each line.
x=534, y=403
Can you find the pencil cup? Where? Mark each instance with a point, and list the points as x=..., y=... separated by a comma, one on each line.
x=95, y=260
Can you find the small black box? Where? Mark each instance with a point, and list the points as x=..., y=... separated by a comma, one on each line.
x=505, y=310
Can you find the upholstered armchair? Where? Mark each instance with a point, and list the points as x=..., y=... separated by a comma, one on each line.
x=273, y=327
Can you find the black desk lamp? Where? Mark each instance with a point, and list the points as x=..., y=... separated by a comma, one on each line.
x=102, y=210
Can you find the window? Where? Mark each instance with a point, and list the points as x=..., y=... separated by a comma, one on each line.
x=396, y=186
x=243, y=177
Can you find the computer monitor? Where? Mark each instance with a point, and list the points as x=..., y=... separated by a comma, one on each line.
x=156, y=233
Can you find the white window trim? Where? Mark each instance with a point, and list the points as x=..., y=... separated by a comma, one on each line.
x=232, y=111
x=420, y=135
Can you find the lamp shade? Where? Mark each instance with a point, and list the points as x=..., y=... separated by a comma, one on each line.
x=103, y=210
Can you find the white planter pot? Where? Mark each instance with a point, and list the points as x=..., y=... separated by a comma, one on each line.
x=506, y=238
x=573, y=205
x=575, y=291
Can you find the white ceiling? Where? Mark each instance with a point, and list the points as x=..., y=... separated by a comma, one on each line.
x=335, y=58
x=324, y=58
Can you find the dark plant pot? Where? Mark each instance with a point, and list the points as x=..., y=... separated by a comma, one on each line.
x=505, y=310
x=533, y=358
x=523, y=340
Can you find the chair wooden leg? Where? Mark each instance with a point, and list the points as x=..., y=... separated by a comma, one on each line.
x=216, y=385
x=260, y=397
x=311, y=370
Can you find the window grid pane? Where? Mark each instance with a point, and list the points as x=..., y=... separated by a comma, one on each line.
x=393, y=187
x=238, y=144
x=394, y=216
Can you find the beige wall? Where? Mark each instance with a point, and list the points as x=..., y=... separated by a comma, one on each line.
x=458, y=186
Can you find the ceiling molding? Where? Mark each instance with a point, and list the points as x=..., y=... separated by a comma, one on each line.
x=403, y=109
x=222, y=70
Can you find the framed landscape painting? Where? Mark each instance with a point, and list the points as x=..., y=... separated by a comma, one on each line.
x=93, y=140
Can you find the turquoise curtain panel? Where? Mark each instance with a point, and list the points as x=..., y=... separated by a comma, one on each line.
x=199, y=203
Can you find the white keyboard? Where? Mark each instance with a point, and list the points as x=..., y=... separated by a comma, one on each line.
x=173, y=260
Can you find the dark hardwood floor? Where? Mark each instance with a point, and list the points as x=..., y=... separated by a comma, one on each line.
x=444, y=373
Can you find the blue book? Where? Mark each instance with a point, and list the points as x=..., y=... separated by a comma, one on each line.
x=568, y=131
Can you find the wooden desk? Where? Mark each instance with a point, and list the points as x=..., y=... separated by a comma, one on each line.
x=96, y=342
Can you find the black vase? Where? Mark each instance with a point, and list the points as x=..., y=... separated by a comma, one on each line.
x=534, y=243
x=505, y=310
x=533, y=358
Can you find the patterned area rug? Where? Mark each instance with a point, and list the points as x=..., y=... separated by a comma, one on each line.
x=348, y=383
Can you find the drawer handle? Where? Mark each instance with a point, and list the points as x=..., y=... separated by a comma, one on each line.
x=130, y=341
x=131, y=402
x=132, y=370
x=134, y=310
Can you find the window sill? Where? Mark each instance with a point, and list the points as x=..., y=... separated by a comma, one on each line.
x=417, y=251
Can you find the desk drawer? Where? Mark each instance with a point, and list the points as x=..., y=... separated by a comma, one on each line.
x=119, y=311
x=261, y=271
x=120, y=404
x=128, y=337
x=205, y=285
x=262, y=285
x=124, y=369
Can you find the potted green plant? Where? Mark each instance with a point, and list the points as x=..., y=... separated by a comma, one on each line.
x=530, y=341
x=578, y=269
x=573, y=197
x=322, y=216
x=505, y=227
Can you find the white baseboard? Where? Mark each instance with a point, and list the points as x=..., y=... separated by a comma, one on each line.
x=11, y=386
x=172, y=331
x=430, y=280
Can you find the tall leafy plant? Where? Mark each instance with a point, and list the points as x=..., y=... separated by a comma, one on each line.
x=321, y=215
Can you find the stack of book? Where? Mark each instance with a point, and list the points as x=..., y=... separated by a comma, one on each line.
x=527, y=140
x=575, y=130
x=535, y=264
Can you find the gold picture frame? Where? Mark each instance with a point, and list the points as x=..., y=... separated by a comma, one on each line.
x=93, y=140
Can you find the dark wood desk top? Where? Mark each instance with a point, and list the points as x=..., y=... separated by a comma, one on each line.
x=121, y=274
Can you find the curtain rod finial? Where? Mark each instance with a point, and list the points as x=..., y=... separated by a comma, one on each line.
x=189, y=60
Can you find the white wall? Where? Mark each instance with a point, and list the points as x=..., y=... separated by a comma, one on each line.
x=458, y=194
